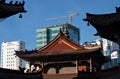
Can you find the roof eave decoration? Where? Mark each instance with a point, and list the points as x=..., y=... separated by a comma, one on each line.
x=33, y=55
x=9, y=9
x=107, y=25
x=61, y=39
x=66, y=50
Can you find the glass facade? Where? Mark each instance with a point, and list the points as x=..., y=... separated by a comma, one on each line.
x=46, y=34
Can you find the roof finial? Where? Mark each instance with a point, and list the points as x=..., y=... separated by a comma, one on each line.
x=117, y=9
x=66, y=34
x=61, y=33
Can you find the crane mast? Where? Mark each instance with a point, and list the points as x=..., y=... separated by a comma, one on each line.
x=70, y=15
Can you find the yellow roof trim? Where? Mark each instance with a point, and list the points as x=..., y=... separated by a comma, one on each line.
x=69, y=45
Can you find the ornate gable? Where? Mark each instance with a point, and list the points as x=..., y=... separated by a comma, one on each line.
x=60, y=43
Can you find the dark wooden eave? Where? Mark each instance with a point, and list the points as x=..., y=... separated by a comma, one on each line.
x=61, y=48
x=62, y=55
x=107, y=25
x=9, y=9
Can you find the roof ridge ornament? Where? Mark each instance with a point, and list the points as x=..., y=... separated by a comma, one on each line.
x=66, y=33
x=9, y=9
x=61, y=33
x=117, y=9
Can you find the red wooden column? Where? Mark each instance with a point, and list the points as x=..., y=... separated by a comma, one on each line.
x=30, y=65
x=77, y=62
x=90, y=65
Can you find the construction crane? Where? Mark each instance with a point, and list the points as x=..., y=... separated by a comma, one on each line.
x=60, y=17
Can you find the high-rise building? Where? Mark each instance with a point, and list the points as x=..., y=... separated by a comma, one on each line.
x=92, y=43
x=111, y=50
x=46, y=34
x=8, y=58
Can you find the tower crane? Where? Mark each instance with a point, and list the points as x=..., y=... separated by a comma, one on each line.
x=60, y=17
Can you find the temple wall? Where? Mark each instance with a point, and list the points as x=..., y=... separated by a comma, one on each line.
x=14, y=74
x=66, y=70
x=110, y=74
x=63, y=70
x=59, y=76
x=51, y=71
x=113, y=73
x=60, y=68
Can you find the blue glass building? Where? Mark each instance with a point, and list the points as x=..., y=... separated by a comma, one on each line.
x=46, y=34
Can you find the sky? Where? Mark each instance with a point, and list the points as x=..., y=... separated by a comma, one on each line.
x=24, y=29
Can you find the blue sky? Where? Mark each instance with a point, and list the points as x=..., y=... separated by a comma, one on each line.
x=13, y=28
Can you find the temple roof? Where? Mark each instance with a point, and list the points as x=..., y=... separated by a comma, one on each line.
x=61, y=48
x=61, y=42
x=107, y=25
x=67, y=55
x=9, y=9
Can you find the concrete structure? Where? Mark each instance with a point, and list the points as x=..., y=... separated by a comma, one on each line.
x=110, y=49
x=46, y=34
x=92, y=43
x=8, y=58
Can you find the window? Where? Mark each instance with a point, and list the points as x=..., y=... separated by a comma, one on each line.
x=55, y=31
x=108, y=47
x=44, y=37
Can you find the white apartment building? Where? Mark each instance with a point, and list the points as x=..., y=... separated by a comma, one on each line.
x=93, y=43
x=8, y=58
x=109, y=47
x=111, y=50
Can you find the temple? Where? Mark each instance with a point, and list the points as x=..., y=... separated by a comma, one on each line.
x=62, y=56
x=107, y=25
x=9, y=9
